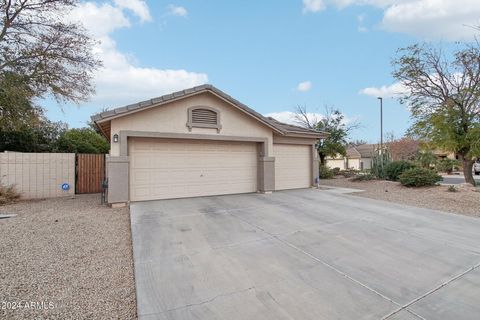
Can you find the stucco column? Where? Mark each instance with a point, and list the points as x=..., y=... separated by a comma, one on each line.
x=266, y=174
x=315, y=165
x=117, y=173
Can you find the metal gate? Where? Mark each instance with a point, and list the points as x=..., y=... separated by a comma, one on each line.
x=90, y=172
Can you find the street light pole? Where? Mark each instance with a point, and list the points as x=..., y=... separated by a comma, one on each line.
x=381, y=123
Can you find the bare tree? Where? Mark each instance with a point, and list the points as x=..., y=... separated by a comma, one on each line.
x=443, y=93
x=333, y=122
x=52, y=55
x=305, y=119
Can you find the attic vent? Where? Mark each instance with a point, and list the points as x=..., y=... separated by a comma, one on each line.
x=203, y=117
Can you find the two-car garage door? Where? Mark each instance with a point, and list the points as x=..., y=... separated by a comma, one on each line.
x=163, y=169
x=170, y=168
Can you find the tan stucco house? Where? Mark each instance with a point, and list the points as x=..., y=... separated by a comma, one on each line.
x=358, y=158
x=200, y=142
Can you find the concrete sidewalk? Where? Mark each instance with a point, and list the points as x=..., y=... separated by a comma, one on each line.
x=303, y=254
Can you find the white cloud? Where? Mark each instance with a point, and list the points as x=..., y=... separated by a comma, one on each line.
x=313, y=5
x=391, y=91
x=304, y=86
x=430, y=19
x=448, y=19
x=177, y=10
x=121, y=81
x=99, y=20
x=138, y=7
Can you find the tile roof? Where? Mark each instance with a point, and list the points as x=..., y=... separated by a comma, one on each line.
x=282, y=128
x=361, y=151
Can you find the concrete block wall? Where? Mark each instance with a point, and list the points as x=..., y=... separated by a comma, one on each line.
x=38, y=175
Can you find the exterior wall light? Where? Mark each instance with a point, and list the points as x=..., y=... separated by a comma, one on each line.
x=115, y=138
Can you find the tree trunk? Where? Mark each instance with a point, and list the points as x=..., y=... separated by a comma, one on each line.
x=467, y=171
x=322, y=159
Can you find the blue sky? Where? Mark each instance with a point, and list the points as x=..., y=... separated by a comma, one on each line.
x=271, y=55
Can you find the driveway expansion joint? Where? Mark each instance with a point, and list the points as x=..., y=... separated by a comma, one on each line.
x=322, y=262
x=428, y=293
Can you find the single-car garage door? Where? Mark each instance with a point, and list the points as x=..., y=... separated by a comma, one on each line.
x=293, y=166
x=164, y=169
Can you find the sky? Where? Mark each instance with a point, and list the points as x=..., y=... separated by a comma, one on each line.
x=270, y=55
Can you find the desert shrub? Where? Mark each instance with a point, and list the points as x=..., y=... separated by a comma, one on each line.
x=396, y=168
x=325, y=173
x=446, y=165
x=348, y=173
x=419, y=177
x=336, y=171
x=8, y=194
x=363, y=177
x=452, y=188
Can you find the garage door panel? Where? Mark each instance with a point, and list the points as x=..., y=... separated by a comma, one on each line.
x=162, y=169
x=293, y=166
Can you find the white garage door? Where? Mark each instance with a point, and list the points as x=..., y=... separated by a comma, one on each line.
x=164, y=169
x=293, y=166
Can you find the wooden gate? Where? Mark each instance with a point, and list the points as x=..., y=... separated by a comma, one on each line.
x=90, y=172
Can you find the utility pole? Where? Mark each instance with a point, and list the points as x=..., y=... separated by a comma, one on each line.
x=381, y=123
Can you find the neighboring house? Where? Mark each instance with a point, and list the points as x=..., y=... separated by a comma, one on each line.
x=358, y=158
x=441, y=154
x=201, y=142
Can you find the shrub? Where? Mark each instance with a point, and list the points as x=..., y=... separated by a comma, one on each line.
x=325, y=173
x=336, y=171
x=396, y=168
x=446, y=165
x=452, y=188
x=363, y=177
x=8, y=194
x=419, y=177
x=348, y=173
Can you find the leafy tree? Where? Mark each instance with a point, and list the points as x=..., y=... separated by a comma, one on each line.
x=23, y=126
x=83, y=140
x=425, y=158
x=16, y=107
x=443, y=93
x=333, y=123
x=52, y=55
x=39, y=137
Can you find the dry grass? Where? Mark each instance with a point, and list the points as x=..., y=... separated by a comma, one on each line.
x=8, y=194
x=70, y=252
x=465, y=201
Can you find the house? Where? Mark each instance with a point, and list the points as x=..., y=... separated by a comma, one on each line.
x=202, y=142
x=358, y=158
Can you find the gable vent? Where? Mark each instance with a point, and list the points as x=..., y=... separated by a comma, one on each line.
x=204, y=116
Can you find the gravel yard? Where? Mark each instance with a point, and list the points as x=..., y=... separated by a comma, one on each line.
x=465, y=201
x=72, y=254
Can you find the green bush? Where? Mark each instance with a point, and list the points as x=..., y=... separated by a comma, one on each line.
x=363, y=177
x=396, y=168
x=325, y=173
x=336, y=171
x=452, y=189
x=419, y=177
x=446, y=165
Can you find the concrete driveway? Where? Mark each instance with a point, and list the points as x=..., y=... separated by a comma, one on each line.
x=303, y=254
